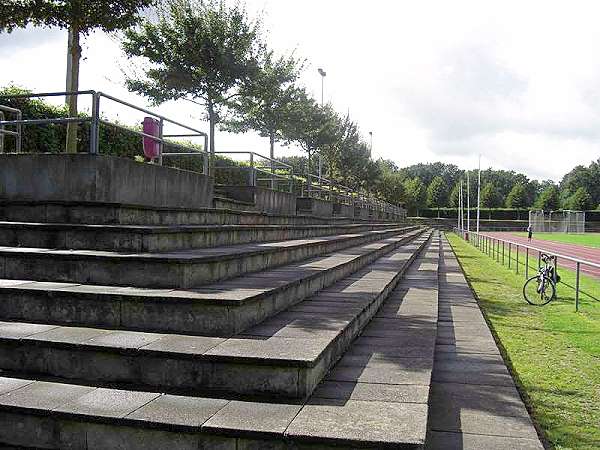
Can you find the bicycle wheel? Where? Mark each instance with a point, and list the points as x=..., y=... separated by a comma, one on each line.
x=539, y=290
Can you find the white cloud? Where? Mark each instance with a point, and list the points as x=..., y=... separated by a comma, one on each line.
x=515, y=81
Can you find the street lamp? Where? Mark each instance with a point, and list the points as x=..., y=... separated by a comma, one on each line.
x=371, y=143
x=323, y=75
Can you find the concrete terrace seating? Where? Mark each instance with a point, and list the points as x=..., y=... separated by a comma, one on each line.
x=83, y=389
x=152, y=327
x=123, y=214
x=161, y=238
x=184, y=268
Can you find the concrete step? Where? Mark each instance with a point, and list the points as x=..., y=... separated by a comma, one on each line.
x=155, y=238
x=121, y=214
x=375, y=397
x=181, y=269
x=284, y=356
x=222, y=309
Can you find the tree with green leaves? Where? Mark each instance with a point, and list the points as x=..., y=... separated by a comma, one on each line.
x=549, y=199
x=517, y=197
x=490, y=196
x=415, y=192
x=198, y=50
x=453, y=199
x=268, y=102
x=79, y=17
x=580, y=200
x=316, y=127
x=437, y=193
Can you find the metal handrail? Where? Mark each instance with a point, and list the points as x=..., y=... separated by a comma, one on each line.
x=253, y=168
x=18, y=127
x=95, y=121
x=486, y=242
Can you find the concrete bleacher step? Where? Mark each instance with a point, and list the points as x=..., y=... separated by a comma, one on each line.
x=181, y=269
x=121, y=214
x=284, y=356
x=223, y=309
x=375, y=397
x=156, y=238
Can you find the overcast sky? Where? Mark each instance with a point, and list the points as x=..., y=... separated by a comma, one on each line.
x=515, y=81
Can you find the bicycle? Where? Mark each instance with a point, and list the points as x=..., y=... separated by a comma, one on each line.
x=540, y=289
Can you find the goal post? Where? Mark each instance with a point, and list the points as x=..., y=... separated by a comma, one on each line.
x=563, y=221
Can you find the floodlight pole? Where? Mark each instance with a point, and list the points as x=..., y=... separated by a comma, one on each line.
x=323, y=75
x=460, y=207
x=478, y=193
x=468, y=205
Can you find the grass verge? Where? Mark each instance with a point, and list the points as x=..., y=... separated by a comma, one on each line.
x=553, y=351
x=587, y=239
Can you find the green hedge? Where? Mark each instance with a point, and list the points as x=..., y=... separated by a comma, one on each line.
x=113, y=141
x=485, y=213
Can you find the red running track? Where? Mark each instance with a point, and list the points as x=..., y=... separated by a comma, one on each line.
x=572, y=250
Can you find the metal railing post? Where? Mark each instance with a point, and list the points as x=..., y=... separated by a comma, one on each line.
x=517, y=264
x=252, y=171
x=1, y=133
x=527, y=262
x=509, y=254
x=577, y=287
x=19, y=143
x=95, y=124
x=502, y=252
x=161, y=144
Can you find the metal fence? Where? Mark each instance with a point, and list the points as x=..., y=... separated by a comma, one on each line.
x=260, y=169
x=505, y=252
x=95, y=120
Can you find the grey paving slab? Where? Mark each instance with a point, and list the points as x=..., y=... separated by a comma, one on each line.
x=71, y=335
x=10, y=384
x=195, y=345
x=354, y=421
x=253, y=418
x=107, y=402
x=125, y=339
x=275, y=348
x=21, y=330
x=464, y=441
x=178, y=410
x=44, y=395
x=396, y=371
x=396, y=393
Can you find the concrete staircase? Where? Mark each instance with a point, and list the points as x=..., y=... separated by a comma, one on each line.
x=122, y=328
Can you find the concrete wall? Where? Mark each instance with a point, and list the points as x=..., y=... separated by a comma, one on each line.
x=264, y=200
x=360, y=212
x=342, y=210
x=314, y=207
x=105, y=179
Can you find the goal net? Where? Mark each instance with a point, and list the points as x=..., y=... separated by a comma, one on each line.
x=565, y=221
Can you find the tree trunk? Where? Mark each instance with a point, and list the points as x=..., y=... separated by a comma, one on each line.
x=73, y=57
x=272, y=156
x=212, y=120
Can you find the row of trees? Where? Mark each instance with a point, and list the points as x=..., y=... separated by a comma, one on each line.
x=210, y=53
x=437, y=185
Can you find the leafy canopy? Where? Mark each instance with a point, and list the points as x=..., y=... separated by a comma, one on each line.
x=80, y=15
x=269, y=101
x=201, y=50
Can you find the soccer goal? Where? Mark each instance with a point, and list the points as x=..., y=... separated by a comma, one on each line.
x=565, y=221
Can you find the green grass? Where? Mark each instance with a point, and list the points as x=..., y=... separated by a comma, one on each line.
x=553, y=351
x=587, y=239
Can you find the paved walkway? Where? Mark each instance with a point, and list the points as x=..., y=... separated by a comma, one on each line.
x=474, y=403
